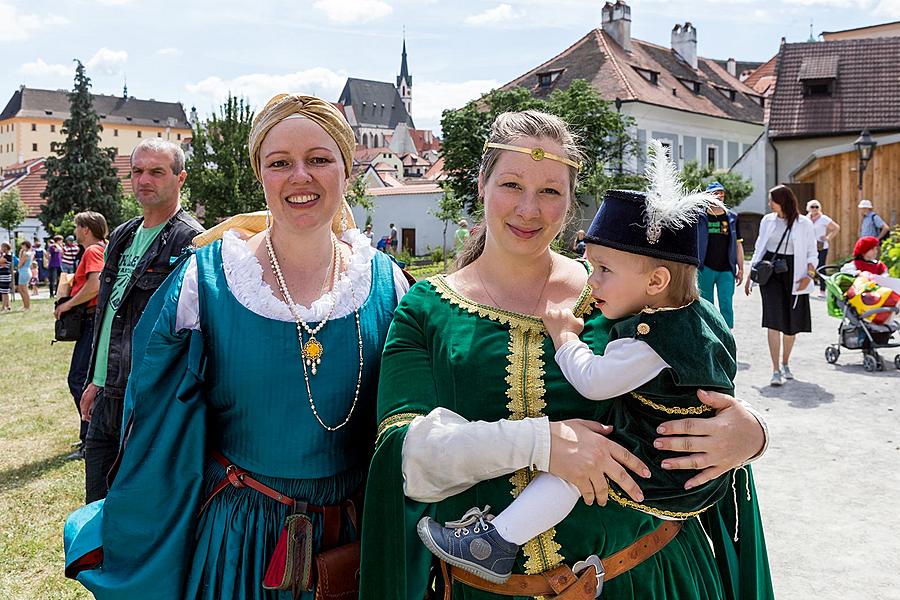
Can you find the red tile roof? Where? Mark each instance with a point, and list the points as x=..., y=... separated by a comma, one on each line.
x=29, y=178
x=615, y=73
x=436, y=172
x=763, y=78
x=423, y=146
x=426, y=188
x=865, y=88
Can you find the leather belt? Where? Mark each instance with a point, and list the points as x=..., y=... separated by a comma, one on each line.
x=239, y=478
x=562, y=583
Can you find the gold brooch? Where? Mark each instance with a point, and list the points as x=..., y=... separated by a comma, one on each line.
x=537, y=153
x=643, y=329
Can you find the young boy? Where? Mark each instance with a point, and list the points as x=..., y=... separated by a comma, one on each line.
x=666, y=344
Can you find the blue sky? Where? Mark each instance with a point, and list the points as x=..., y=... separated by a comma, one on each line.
x=196, y=52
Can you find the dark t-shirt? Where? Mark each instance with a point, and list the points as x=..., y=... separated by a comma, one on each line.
x=719, y=238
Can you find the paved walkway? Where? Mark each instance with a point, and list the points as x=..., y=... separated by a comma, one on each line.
x=829, y=486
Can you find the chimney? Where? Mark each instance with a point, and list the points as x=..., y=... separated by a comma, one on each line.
x=684, y=42
x=731, y=65
x=616, y=22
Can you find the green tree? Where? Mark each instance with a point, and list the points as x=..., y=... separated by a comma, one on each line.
x=12, y=211
x=737, y=187
x=602, y=132
x=357, y=195
x=82, y=176
x=220, y=178
x=450, y=210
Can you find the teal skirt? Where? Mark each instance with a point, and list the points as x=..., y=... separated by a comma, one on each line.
x=237, y=533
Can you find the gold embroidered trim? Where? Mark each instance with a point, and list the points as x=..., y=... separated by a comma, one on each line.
x=650, y=311
x=584, y=305
x=506, y=317
x=525, y=378
x=674, y=410
x=656, y=512
x=397, y=420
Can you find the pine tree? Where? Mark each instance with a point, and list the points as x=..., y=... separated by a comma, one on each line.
x=82, y=176
x=220, y=178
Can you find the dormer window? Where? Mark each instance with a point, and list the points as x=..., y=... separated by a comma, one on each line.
x=727, y=92
x=648, y=74
x=691, y=84
x=818, y=88
x=547, y=78
x=818, y=74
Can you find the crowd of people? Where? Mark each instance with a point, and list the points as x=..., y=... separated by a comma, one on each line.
x=242, y=390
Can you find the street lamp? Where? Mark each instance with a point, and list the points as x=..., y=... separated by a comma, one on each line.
x=865, y=146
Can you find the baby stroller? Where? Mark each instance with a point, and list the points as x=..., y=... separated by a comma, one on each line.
x=856, y=332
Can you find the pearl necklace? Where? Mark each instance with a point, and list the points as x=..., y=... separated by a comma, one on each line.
x=311, y=352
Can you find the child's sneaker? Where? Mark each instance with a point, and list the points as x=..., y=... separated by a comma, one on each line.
x=471, y=544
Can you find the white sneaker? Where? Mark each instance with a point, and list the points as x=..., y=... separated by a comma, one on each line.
x=786, y=371
x=776, y=380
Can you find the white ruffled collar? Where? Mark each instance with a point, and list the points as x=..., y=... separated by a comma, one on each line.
x=244, y=276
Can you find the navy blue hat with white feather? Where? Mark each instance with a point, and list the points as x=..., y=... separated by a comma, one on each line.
x=661, y=223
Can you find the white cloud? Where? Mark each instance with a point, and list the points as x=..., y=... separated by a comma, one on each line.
x=171, y=52
x=353, y=11
x=114, y=2
x=431, y=98
x=259, y=87
x=17, y=26
x=888, y=8
x=40, y=68
x=107, y=62
x=500, y=14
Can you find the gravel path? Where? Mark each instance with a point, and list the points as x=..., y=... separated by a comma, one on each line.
x=829, y=486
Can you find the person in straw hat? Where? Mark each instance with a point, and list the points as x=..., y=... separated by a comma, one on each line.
x=249, y=418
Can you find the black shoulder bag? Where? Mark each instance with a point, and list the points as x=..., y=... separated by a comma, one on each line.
x=69, y=326
x=761, y=272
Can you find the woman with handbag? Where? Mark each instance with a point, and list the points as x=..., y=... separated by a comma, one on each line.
x=249, y=416
x=783, y=265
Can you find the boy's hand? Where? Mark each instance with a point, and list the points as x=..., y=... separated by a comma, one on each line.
x=562, y=325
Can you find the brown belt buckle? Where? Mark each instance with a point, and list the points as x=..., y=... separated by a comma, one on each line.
x=592, y=561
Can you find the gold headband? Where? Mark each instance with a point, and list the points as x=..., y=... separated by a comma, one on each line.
x=535, y=153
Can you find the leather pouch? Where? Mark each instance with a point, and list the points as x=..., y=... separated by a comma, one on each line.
x=290, y=566
x=338, y=573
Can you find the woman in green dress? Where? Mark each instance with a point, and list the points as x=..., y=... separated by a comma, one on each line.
x=471, y=406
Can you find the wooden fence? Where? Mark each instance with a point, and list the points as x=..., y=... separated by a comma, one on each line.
x=835, y=181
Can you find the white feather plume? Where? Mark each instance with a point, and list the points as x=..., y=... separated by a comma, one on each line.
x=668, y=207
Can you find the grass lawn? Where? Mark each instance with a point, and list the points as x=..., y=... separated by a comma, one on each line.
x=38, y=487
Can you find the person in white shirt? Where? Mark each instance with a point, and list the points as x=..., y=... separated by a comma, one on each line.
x=826, y=228
x=788, y=240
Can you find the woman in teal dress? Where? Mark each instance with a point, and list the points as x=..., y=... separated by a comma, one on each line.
x=218, y=368
x=471, y=406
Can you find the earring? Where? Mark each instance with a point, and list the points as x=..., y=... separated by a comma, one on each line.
x=268, y=219
x=343, y=219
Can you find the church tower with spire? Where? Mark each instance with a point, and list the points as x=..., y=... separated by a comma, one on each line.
x=404, y=82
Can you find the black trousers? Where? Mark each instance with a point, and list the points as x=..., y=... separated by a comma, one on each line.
x=53, y=274
x=101, y=446
x=78, y=368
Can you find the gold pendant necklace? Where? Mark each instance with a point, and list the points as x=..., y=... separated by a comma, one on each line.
x=312, y=350
x=314, y=358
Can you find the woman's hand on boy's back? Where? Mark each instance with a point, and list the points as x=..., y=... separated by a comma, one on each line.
x=713, y=445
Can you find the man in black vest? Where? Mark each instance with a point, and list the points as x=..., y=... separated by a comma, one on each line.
x=138, y=258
